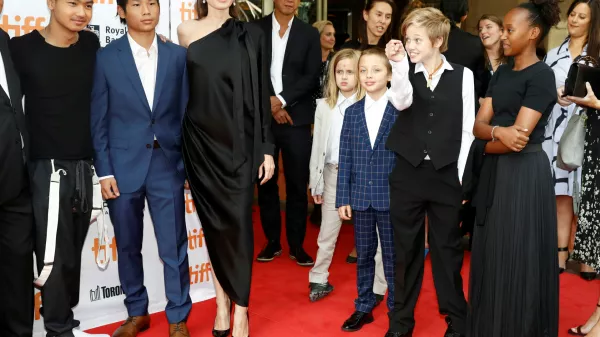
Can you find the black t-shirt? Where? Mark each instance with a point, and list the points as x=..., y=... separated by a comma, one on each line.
x=57, y=84
x=532, y=87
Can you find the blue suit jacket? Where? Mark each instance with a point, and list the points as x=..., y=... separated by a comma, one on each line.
x=363, y=170
x=124, y=125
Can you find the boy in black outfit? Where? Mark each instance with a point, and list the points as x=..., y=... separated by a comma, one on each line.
x=431, y=140
x=56, y=66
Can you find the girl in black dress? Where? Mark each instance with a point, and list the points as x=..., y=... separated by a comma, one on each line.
x=227, y=143
x=514, y=268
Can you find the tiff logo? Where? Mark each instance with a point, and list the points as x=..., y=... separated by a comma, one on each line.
x=195, y=239
x=190, y=207
x=21, y=25
x=188, y=12
x=200, y=273
x=97, y=249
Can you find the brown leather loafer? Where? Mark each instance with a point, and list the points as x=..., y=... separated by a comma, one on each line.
x=133, y=326
x=178, y=330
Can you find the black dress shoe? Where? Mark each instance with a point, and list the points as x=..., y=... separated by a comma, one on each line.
x=399, y=334
x=356, y=321
x=450, y=332
x=269, y=252
x=301, y=258
x=319, y=291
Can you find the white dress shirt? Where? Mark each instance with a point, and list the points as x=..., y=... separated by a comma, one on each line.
x=146, y=62
x=468, y=97
x=400, y=93
x=374, y=111
x=278, y=47
x=335, y=131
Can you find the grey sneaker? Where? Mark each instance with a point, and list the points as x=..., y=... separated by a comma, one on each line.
x=319, y=291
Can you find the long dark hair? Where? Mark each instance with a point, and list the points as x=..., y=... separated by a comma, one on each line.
x=593, y=40
x=543, y=14
x=498, y=21
x=202, y=9
x=387, y=36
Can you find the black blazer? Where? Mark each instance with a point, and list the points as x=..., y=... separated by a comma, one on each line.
x=301, y=68
x=467, y=50
x=13, y=176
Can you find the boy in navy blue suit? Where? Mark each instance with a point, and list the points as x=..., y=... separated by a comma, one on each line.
x=139, y=97
x=364, y=166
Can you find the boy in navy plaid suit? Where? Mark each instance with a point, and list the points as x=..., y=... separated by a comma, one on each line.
x=364, y=166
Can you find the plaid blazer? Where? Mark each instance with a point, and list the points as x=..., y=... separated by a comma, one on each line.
x=363, y=171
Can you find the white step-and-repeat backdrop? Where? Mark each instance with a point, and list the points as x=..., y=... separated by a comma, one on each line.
x=101, y=300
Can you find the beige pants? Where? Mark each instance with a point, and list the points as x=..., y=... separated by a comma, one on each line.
x=328, y=235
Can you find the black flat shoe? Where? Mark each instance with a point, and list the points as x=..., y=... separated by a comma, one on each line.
x=588, y=275
x=224, y=333
x=319, y=291
x=357, y=321
x=269, y=253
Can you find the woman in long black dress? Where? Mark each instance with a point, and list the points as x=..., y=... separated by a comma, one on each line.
x=514, y=268
x=226, y=142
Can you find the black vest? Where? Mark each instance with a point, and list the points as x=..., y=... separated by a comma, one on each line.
x=433, y=124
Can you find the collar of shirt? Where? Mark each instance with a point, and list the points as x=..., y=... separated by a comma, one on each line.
x=277, y=26
x=420, y=68
x=345, y=101
x=138, y=50
x=382, y=101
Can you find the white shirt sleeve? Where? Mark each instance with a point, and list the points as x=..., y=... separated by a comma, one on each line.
x=401, y=91
x=105, y=177
x=283, y=104
x=468, y=96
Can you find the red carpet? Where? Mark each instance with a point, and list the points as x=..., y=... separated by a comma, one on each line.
x=280, y=307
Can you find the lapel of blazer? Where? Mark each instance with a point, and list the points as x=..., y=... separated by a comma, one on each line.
x=362, y=123
x=12, y=78
x=164, y=57
x=291, y=40
x=130, y=69
x=386, y=123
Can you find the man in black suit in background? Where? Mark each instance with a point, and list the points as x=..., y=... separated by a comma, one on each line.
x=16, y=217
x=295, y=66
x=465, y=48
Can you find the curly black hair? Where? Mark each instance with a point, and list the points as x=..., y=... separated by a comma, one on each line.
x=543, y=14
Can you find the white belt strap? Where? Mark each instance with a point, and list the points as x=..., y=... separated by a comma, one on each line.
x=99, y=214
x=52, y=227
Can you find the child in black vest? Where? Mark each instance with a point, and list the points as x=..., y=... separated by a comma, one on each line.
x=431, y=140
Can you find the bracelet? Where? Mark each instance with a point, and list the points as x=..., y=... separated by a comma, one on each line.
x=494, y=128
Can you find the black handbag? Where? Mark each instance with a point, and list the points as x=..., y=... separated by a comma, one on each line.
x=584, y=69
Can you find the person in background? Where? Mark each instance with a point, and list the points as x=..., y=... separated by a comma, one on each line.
x=566, y=184
x=363, y=191
x=514, y=245
x=431, y=141
x=227, y=146
x=490, y=31
x=376, y=27
x=56, y=68
x=327, y=34
x=16, y=215
x=139, y=97
x=295, y=65
x=341, y=91
x=465, y=48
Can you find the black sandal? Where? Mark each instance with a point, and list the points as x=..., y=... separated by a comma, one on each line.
x=564, y=249
x=578, y=332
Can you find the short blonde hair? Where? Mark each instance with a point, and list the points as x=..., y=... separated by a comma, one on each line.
x=331, y=88
x=435, y=23
x=320, y=25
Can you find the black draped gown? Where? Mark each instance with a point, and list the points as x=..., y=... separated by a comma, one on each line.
x=226, y=133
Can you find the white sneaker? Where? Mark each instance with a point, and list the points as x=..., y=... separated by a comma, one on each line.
x=79, y=333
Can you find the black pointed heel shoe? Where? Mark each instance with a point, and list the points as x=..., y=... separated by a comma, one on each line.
x=224, y=333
